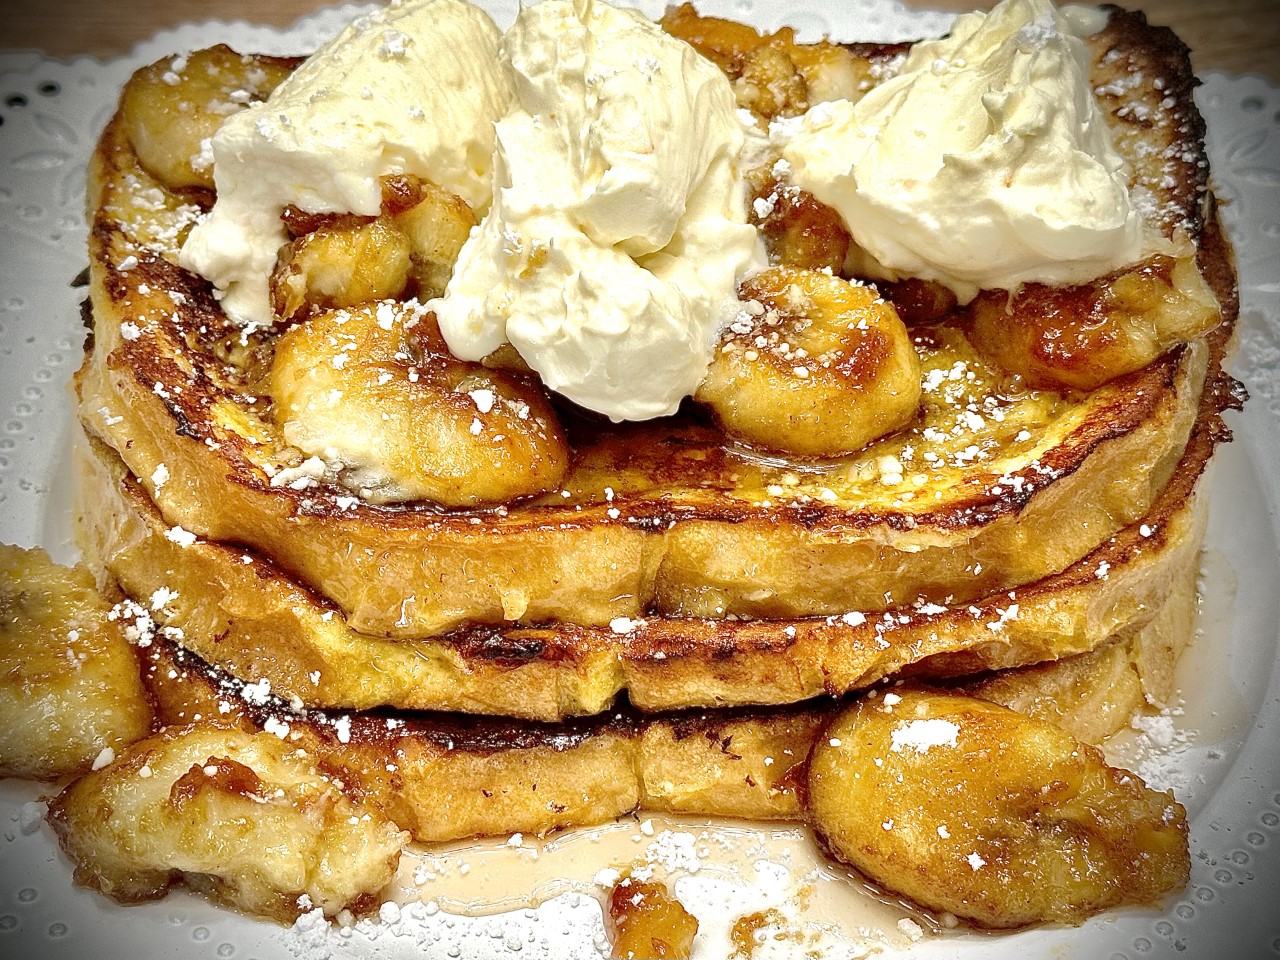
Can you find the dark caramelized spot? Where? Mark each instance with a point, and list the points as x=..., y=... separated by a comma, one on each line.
x=299, y=222
x=845, y=352
x=400, y=192
x=799, y=230
x=863, y=361
x=1071, y=324
x=219, y=774
x=918, y=301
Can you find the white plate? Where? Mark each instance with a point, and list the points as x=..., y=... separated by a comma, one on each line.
x=1225, y=760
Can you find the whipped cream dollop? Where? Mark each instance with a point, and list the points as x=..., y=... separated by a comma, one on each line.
x=412, y=88
x=984, y=163
x=611, y=255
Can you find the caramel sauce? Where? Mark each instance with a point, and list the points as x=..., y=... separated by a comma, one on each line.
x=720, y=870
x=647, y=921
x=746, y=932
x=220, y=774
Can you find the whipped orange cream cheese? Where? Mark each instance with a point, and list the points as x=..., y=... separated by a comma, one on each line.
x=412, y=88
x=983, y=163
x=612, y=254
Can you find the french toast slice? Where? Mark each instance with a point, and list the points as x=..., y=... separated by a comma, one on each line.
x=994, y=486
x=446, y=777
x=245, y=614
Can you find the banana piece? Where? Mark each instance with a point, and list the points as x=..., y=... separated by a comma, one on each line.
x=437, y=226
x=823, y=368
x=375, y=389
x=968, y=807
x=349, y=261
x=343, y=260
x=1078, y=338
x=645, y=920
x=772, y=75
x=172, y=108
x=797, y=230
x=69, y=686
x=245, y=818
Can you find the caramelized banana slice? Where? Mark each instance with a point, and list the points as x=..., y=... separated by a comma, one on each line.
x=825, y=368
x=1081, y=337
x=375, y=388
x=798, y=230
x=437, y=226
x=770, y=84
x=968, y=807
x=243, y=818
x=173, y=107
x=647, y=921
x=772, y=75
x=345, y=262
x=69, y=685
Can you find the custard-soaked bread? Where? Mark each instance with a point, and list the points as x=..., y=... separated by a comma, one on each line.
x=989, y=487
x=442, y=777
x=1092, y=695
x=968, y=807
x=69, y=688
x=1006, y=500
x=244, y=818
x=246, y=614
x=445, y=777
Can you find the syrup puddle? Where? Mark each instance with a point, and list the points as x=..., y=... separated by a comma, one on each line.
x=720, y=870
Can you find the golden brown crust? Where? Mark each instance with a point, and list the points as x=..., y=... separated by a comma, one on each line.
x=1092, y=695
x=1143, y=81
x=248, y=615
x=445, y=776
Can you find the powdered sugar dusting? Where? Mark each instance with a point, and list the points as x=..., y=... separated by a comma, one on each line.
x=1163, y=747
x=922, y=735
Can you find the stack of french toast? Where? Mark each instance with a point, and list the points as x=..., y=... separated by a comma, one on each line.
x=713, y=612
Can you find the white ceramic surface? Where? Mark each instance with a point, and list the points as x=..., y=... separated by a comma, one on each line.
x=1225, y=761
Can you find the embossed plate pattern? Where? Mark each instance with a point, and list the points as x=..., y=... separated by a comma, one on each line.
x=1227, y=770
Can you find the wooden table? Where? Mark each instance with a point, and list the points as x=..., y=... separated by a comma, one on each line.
x=1239, y=36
